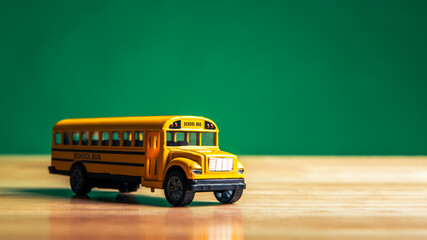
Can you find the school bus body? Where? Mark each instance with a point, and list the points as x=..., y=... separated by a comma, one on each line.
x=142, y=150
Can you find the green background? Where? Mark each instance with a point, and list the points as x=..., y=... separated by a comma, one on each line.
x=278, y=77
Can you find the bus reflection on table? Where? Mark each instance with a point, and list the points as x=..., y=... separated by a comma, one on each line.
x=94, y=219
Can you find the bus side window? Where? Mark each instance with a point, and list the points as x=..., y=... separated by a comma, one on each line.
x=139, y=137
x=116, y=138
x=105, y=138
x=66, y=138
x=127, y=138
x=169, y=140
x=95, y=138
x=57, y=138
x=75, y=138
x=85, y=138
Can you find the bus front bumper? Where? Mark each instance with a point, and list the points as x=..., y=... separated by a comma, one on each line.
x=208, y=185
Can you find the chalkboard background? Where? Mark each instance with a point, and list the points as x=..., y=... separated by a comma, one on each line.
x=278, y=77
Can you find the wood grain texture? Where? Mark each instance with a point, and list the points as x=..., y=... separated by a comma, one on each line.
x=286, y=198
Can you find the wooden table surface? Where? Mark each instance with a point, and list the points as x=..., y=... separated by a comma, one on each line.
x=286, y=198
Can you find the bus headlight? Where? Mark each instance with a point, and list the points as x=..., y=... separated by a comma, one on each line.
x=197, y=171
x=240, y=171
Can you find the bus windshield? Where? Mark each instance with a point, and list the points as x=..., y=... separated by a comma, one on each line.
x=187, y=138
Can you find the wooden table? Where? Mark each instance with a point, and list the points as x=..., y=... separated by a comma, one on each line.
x=286, y=198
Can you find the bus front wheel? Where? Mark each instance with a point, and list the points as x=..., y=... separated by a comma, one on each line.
x=176, y=189
x=79, y=181
x=228, y=196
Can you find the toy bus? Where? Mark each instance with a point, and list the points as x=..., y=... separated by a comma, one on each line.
x=179, y=154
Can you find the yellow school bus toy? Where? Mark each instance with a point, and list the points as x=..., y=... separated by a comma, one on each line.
x=179, y=154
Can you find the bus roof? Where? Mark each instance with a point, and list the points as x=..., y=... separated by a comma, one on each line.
x=146, y=122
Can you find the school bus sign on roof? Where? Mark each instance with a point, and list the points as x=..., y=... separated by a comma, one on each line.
x=192, y=124
x=179, y=154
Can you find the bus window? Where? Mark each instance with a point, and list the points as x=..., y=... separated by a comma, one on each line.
x=139, y=137
x=208, y=139
x=95, y=138
x=127, y=138
x=85, y=138
x=116, y=138
x=181, y=139
x=192, y=139
x=66, y=138
x=155, y=141
x=75, y=138
x=179, y=136
x=169, y=139
x=105, y=138
x=57, y=138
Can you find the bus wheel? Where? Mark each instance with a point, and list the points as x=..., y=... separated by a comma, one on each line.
x=228, y=196
x=176, y=189
x=78, y=180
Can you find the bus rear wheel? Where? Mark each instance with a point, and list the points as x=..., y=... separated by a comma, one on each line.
x=78, y=180
x=176, y=189
x=228, y=196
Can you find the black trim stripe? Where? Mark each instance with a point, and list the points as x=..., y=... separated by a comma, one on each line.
x=116, y=163
x=102, y=162
x=98, y=151
x=62, y=159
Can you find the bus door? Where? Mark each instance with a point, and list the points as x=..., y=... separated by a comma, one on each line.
x=153, y=155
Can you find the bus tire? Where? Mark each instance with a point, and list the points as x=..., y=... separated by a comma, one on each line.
x=228, y=196
x=78, y=180
x=176, y=189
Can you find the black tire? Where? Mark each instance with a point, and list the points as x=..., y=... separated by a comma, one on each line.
x=176, y=189
x=78, y=180
x=228, y=196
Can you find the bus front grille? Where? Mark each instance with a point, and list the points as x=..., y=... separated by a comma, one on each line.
x=217, y=164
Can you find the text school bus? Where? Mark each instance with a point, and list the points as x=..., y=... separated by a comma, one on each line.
x=179, y=154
